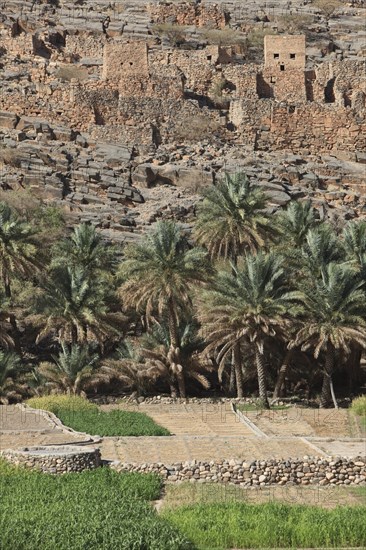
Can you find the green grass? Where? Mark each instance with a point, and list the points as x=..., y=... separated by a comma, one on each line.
x=93, y=510
x=273, y=525
x=81, y=415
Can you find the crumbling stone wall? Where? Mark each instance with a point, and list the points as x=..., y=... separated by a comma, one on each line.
x=167, y=82
x=308, y=126
x=85, y=44
x=122, y=59
x=341, y=82
x=188, y=13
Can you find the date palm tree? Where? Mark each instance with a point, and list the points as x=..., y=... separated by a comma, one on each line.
x=156, y=350
x=334, y=317
x=17, y=257
x=231, y=218
x=76, y=308
x=249, y=306
x=10, y=387
x=72, y=371
x=158, y=275
x=84, y=249
x=130, y=369
x=354, y=238
x=17, y=248
x=294, y=224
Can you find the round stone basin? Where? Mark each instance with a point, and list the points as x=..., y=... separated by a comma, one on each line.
x=55, y=459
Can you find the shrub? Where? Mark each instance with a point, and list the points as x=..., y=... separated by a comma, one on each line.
x=98, y=510
x=57, y=403
x=359, y=405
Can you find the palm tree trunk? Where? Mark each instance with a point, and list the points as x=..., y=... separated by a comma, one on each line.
x=175, y=345
x=327, y=394
x=262, y=378
x=172, y=387
x=232, y=376
x=238, y=371
x=282, y=374
x=12, y=318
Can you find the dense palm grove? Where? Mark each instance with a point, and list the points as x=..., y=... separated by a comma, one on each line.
x=248, y=303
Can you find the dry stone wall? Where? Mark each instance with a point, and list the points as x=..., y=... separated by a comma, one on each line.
x=55, y=460
x=260, y=473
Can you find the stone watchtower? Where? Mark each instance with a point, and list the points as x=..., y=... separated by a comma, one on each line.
x=284, y=67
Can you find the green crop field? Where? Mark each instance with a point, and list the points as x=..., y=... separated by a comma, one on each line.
x=274, y=525
x=93, y=510
x=83, y=416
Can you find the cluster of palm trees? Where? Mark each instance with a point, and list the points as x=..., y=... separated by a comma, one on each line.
x=248, y=301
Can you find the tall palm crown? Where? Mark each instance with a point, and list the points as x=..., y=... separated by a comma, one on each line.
x=295, y=222
x=249, y=305
x=17, y=250
x=322, y=246
x=231, y=218
x=85, y=249
x=75, y=307
x=334, y=316
x=158, y=275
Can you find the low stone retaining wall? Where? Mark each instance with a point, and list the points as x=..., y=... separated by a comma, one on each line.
x=306, y=471
x=54, y=460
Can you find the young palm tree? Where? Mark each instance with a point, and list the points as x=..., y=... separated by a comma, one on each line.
x=131, y=370
x=10, y=388
x=76, y=308
x=84, y=249
x=231, y=218
x=250, y=306
x=158, y=274
x=73, y=371
x=334, y=316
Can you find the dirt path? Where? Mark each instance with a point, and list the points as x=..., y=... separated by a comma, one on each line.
x=192, y=419
x=24, y=427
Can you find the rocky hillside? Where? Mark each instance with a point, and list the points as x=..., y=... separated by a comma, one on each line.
x=121, y=112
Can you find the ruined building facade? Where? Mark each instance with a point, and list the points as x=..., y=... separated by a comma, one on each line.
x=138, y=93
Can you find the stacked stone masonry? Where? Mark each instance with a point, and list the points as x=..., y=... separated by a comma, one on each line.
x=55, y=460
x=306, y=471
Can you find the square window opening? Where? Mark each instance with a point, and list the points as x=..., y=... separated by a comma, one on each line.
x=292, y=56
x=276, y=56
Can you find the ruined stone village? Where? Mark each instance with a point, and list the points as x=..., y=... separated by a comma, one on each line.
x=122, y=111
